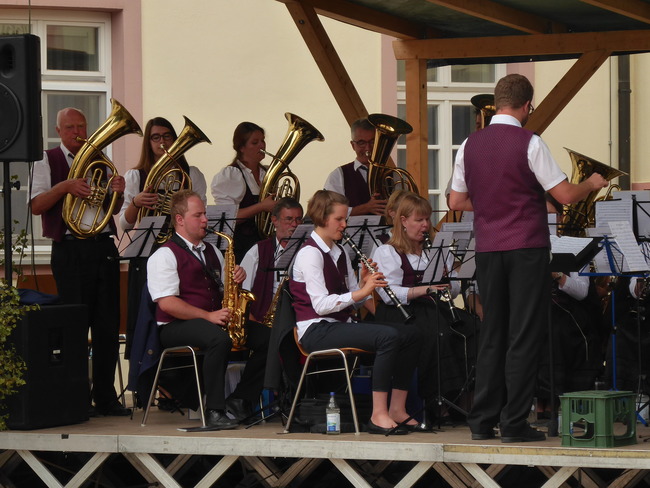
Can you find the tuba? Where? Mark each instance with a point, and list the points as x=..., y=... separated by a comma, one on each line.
x=167, y=176
x=484, y=104
x=382, y=179
x=279, y=180
x=83, y=216
x=235, y=298
x=578, y=216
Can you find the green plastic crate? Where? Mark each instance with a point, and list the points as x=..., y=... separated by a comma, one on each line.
x=598, y=418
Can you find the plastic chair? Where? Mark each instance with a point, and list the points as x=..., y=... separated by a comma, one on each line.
x=343, y=353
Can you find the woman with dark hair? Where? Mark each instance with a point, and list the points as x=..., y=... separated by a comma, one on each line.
x=326, y=293
x=403, y=260
x=239, y=184
x=158, y=132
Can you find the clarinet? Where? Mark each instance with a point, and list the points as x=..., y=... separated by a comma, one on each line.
x=366, y=262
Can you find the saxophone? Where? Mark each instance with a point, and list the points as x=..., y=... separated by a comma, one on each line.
x=269, y=316
x=235, y=298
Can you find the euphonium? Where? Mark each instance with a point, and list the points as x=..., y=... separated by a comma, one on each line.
x=279, y=180
x=235, y=298
x=578, y=216
x=382, y=179
x=166, y=176
x=83, y=215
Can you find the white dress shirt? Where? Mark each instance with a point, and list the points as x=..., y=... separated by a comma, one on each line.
x=251, y=262
x=228, y=188
x=335, y=182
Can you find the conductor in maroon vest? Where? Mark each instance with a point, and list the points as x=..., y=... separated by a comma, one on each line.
x=185, y=279
x=86, y=271
x=351, y=179
x=501, y=173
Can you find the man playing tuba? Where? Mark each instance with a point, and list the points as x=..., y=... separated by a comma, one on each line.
x=86, y=270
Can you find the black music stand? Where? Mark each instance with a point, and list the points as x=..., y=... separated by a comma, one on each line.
x=221, y=218
x=139, y=241
x=362, y=231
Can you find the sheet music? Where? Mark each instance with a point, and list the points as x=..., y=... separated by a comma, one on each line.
x=462, y=232
x=641, y=209
x=221, y=218
x=360, y=229
x=552, y=223
x=138, y=242
x=300, y=235
x=568, y=244
x=467, y=268
x=629, y=247
x=438, y=257
x=613, y=211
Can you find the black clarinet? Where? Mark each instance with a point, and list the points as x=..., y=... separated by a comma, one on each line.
x=366, y=262
x=443, y=295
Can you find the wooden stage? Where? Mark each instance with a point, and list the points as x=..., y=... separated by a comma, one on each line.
x=160, y=455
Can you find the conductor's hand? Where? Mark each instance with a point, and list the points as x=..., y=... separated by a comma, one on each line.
x=220, y=317
x=78, y=187
x=118, y=184
x=597, y=181
x=239, y=274
x=146, y=199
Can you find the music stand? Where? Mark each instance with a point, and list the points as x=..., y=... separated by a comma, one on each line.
x=361, y=229
x=221, y=218
x=139, y=241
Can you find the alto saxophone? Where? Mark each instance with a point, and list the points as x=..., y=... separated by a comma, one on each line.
x=269, y=316
x=235, y=298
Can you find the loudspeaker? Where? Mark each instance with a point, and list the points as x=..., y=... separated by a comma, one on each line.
x=53, y=342
x=21, y=125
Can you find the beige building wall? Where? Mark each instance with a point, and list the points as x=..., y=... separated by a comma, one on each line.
x=640, y=113
x=221, y=62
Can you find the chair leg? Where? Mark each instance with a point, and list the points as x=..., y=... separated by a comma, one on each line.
x=352, y=403
x=154, y=387
x=198, y=387
x=297, y=394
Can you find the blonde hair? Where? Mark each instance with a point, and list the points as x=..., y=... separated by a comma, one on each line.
x=393, y=202
x=321, y=205
x=409, y=204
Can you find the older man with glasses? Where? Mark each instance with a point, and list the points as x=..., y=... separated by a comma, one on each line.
x=351, y=179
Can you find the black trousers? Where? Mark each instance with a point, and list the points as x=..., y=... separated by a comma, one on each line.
x=515, y=290
x=216, y=344
x=396, y=348
x=87, y=271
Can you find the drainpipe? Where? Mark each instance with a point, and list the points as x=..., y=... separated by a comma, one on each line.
x=624, y=119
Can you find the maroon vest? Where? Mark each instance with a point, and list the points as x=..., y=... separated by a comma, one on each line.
x=410, y=276
x=53, y=224
x=335, y=275
x=263, y=283
x=356, y=188
x=200, y=285
x=508, y=201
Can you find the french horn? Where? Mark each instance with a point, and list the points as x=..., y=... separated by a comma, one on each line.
x=279, y=180
x=167, y=177
x=576, y=217
x=83, y=216
x=382, y=179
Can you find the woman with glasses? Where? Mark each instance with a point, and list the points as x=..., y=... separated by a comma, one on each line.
x=239, y=184
x=158, y=132
x=351, y=179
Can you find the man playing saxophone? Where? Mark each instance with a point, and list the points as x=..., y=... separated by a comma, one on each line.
x=186, y=280
x=265, y=281
x=86, y=270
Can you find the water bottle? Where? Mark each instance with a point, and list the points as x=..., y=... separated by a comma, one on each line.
x=333, y=414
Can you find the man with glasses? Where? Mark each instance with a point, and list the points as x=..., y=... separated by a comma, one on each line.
x=351, y=179
x=263, y=278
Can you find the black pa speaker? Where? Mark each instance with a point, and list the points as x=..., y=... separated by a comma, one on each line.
x=21, y=125
x=53, y=342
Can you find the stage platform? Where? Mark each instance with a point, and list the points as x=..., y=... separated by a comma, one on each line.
x=105, y=449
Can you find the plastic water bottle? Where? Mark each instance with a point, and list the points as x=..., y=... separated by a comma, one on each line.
x=333, y=414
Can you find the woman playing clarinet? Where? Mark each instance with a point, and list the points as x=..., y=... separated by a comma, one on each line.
x=326, y=293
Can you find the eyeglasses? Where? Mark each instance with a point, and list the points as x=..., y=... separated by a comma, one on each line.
x=363, y=143
x=531, y=109
x=289, y=220
x=168, y=136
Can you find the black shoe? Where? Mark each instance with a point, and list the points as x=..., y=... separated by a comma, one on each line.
x=114, y=410
x=239, y=408
x=484, y=436
x=219, y=420
x=375, y=429
x=419, y=427
x=528, y=434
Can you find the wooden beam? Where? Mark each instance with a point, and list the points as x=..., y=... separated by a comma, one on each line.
x=634, y=9
x=327, y=60
x=565, y=90
x=502, y=15
x=533, y=45
x=417, y=160
x=369, y=19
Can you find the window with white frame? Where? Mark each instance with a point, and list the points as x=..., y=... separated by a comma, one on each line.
x=450, y=118
x=75, y=68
